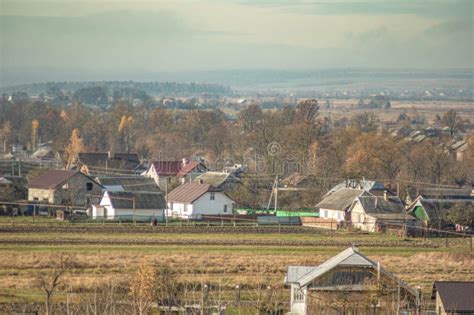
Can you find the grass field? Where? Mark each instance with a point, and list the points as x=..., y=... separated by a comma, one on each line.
x=244, y=258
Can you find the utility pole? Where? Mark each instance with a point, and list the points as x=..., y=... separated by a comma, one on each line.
x=276, y=193
x=166, y=202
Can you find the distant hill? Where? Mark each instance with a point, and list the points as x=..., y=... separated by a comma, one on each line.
x=109, y=88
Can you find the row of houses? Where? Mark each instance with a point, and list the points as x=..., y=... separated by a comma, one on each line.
x=352, y=283
x=127, y=197
x=369, y=205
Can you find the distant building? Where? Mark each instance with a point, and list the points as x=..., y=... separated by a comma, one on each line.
x=106, y=163
x=192, y=200
x=453, y=297
x=64, y=187
x=335, y=205
x=225, y=181
x=374, y=187
x=184, y=170
x=137, y=206
x=372, y=214
x=349, y=283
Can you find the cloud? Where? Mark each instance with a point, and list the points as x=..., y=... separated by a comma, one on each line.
x=427, y=8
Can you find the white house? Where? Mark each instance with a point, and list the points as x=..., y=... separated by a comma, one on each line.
x=192, y=200
x=139, y=206
x=335, y=205
x=371, y=213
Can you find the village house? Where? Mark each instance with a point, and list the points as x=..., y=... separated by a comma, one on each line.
x=192, y=200
x=453, y=297
x=133, y=206
x=184, y=170
x=372, y=213
x=349, y=283
x=335, y=205
x=106, y=163
x=225, y=181
x=64, y=187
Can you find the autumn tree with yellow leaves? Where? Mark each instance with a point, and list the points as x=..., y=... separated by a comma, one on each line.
x=124, y=131
x=143, y=287
x=34, y=133
x=75, y=146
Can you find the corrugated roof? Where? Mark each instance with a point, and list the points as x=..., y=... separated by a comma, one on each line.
x=457, y=296
x=216, y=179
x=296, y=272
x=189, y=192
x=357, y=184
x=51, y=179
x=341, y=199
x=378, y=205
x=125, y=161
x=124, y=200
x=130, y=183
x=347, y=258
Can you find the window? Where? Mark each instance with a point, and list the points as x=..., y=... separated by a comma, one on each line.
x=298, y=295
x=225, y=208
x=359, y=219
x=88, y=186
x=213, y=196
x=35, y=199
x=325, y=213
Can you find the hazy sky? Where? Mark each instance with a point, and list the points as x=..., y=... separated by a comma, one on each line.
x=154, y=36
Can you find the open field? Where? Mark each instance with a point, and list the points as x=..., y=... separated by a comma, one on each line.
x=429, y=109
x=220, y=258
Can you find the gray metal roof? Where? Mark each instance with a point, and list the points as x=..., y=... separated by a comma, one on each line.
x=349, y=257
x=296, y=272
x=357, y=184
x=378, y=205
x=216, y=179
x=145, y=201
x=129, y=183
x=341, y=199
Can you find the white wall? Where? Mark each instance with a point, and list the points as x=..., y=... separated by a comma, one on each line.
x=202, y=205
x=179, y=209
x=298, y=308
x=360, y=220
x=113, y=213
x=332, y=214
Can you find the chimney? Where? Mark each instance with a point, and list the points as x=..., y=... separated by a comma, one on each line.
x=385, y=195
x=185, y=161
x=109, y=154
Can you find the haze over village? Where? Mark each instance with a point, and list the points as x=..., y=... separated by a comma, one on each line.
x=236, y=157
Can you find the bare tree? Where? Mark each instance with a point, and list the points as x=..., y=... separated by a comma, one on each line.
x=50, y=281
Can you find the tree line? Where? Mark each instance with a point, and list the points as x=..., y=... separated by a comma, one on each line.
x=295, y=138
